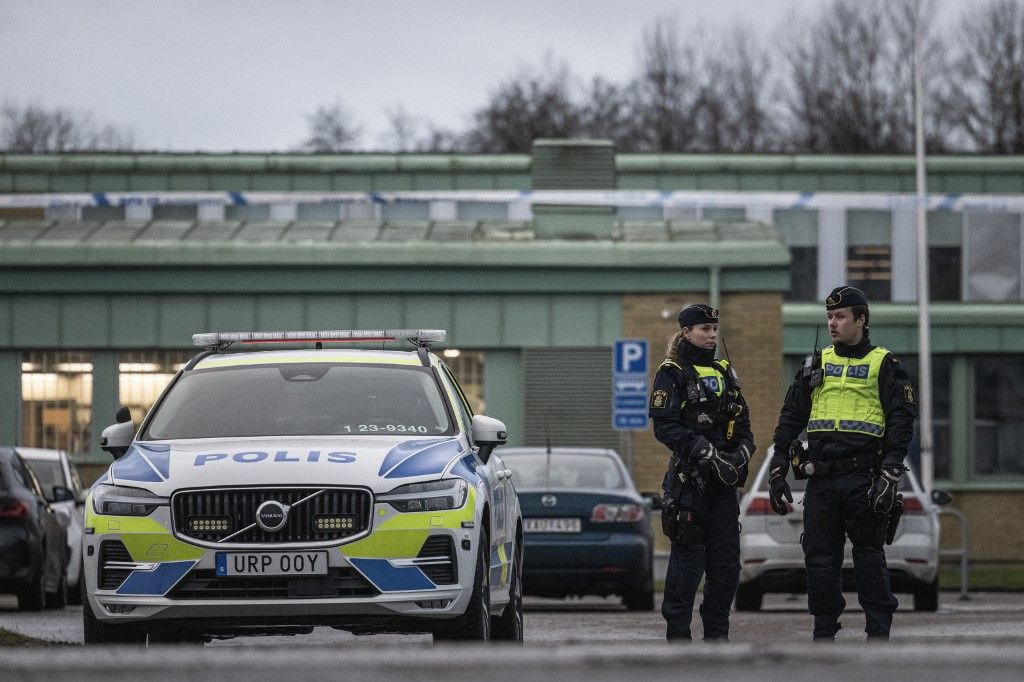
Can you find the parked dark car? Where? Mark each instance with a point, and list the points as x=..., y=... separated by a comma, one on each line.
x=33, y=541
x=587, y=530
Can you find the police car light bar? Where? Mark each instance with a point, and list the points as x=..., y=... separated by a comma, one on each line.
x=420, y=337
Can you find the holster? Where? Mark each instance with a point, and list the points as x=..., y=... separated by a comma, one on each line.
x=678, y=519
x=893, y=520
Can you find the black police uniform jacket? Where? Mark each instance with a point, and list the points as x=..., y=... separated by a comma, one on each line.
x=898, y=404
x=678, y=428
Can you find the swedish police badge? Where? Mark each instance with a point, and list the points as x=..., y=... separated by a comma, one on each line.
x=659, y=398
x=908, y=395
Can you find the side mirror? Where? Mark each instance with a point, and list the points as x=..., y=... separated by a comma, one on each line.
x=117, y=438
x=488, y=434
x=653, y=500
x=62, y=494
x=941, y=497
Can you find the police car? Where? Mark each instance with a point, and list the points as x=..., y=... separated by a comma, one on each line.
x=270, y=492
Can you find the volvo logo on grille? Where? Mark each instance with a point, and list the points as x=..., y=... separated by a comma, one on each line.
x=549, y=500
x=272, y=515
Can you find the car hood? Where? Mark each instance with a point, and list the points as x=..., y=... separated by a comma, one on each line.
x=380, y=463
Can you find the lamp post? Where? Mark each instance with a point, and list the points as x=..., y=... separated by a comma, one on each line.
x=924, y=356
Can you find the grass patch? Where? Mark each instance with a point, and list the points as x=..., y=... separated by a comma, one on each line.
x=984, y=577
x=8, y=638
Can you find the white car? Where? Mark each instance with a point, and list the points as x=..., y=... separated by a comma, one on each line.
x=63, y=490
x=278, y=490
x=772, y=559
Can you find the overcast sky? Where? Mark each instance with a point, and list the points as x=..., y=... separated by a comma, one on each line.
x=219, y=75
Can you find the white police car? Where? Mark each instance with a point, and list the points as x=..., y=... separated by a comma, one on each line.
x=275, y=491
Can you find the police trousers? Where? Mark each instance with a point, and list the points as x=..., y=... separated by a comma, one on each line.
x=717, y=557
x=831, y=505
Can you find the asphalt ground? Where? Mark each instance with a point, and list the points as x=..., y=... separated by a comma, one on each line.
x=587, y=639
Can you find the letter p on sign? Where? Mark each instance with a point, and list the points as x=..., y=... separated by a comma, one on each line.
x=631, y=356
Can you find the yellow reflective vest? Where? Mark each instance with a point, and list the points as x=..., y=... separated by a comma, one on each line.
x=847, y=399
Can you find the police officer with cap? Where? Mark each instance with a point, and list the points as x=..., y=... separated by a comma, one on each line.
x=858, y=407
x=700, y=415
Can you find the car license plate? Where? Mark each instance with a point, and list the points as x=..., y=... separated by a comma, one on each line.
x=551, y=525
x=271, y=563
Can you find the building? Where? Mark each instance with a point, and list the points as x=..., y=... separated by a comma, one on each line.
x=104, y=279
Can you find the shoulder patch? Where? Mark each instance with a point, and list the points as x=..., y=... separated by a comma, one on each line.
x=659, y=399
x=908, y=394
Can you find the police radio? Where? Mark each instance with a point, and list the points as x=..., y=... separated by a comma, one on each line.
x=811, y=371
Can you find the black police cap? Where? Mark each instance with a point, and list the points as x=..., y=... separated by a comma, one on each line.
x=845, y=297
x=697, y=313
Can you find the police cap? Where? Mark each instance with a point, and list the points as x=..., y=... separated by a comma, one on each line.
x=697, y=313
x=845, y=297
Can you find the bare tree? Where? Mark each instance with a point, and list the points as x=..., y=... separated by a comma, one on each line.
x=331, y=129
x=34, y=129
x=735, y=109
x=851, y=78
x=607, y=112
x=403, y=134
x=984, y=95
x=667, y=90
x=531, y=104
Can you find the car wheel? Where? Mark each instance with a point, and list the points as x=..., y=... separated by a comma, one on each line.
x=32, y=597
x=475, y=624
x=97, y=632
x=640, y=600
x=58, y=599
x=749, y=597
x=926, y=596
x=509, y=625
x=75, y=592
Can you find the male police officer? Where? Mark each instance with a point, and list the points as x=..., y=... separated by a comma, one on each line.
x=858, y=407
x=700, y=415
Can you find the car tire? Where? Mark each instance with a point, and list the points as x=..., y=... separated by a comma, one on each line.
x=32, y=597
x=475, y=624
x=75, y=592
x=508, y=626
x=98, y=632
x=749, y=597
x=58, y=599
x=926, y=596
x=639, y=600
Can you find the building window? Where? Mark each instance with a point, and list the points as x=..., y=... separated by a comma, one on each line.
x=944, y=273
x=143, y=375
x=993, y=258
x=468, y=368
x=56, y=400
x=869, y=252
x=999, y=415
x=803, y=271
x=942, y=444
x=798, y=228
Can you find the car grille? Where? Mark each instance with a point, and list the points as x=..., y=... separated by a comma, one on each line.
x=339, y=582
x=111, y=578
x=440, y=547
x=240, y=506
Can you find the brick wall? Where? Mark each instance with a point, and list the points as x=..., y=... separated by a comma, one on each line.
x=751, y=328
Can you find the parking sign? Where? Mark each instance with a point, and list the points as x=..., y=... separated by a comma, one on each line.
x=629, y=385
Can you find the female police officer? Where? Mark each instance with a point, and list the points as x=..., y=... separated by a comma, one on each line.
x=701, y=417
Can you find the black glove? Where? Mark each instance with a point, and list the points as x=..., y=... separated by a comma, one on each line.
x=882, y=495
x=778, y=489
x=702, y=449
x=730, y=466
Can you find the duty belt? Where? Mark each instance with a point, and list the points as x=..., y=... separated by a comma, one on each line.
x=841, y=466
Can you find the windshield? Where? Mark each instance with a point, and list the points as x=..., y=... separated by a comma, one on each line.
x=49, y=473
x=567, y=471
x=301, y=399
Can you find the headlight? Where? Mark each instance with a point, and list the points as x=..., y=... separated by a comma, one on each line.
x=116, y=500
x=433, y=496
